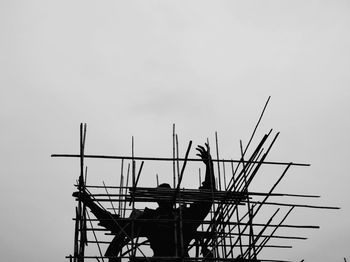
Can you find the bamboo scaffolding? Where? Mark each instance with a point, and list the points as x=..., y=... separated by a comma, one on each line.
x=232, y=230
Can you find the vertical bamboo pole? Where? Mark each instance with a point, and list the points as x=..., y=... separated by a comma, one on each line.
x=176, y=170
x=200, y=184
x=126, y=188
x=76, y=234
x=229, y=226
x=177, y=157
x=213, y=211
x=133, y=202
x=178, y=196
x=81, y=206
x=217, y=157
x=174, y=173
x=123, y=211
x=121, y=188
x=223, y=249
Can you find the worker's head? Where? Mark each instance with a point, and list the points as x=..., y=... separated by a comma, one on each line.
x=164, y=185
x=164, y=203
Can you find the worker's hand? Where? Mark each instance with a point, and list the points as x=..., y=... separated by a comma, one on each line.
x=204, y=153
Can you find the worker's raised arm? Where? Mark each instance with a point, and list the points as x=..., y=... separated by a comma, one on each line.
x=198, y=210
x=209, y=181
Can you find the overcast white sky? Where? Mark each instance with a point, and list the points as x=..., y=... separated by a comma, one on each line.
x=135, y=67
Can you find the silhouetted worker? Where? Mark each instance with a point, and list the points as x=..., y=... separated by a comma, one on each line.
x=160, y=226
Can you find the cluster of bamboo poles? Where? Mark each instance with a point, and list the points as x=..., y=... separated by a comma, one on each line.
x=230, y=230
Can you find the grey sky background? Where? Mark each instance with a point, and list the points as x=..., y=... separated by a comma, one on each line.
x=132, y=68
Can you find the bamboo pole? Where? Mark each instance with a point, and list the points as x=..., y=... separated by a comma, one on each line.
x=219, y=194
x=178, y=195
x=223, y=250
x=229, y=227
x=93, y=232
x=121, y=184
x=295, y=205
x=187, y=259
x=273, y=232
x=260, y=233
x=81, y=206
x=177, y=190
x=194, y=221
x=171, y=159
x=257, y=124
x=76, y=234
x=126, y=188
x=133, y=249
x=174, y=162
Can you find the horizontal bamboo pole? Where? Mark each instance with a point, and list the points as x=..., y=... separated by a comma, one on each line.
x=190, y=221
x=295, y=205
x=176, y=159
x=152, y=199
x=220, y=245
x=227, y=235
x=186, y=259
x=196, y=192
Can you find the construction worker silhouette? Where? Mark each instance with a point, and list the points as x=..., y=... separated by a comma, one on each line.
x=160, y=226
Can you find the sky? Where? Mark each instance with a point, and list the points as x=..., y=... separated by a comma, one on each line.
x=133, y=68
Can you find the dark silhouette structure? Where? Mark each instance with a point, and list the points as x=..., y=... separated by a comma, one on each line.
x=218, y=222
x=160, y=226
